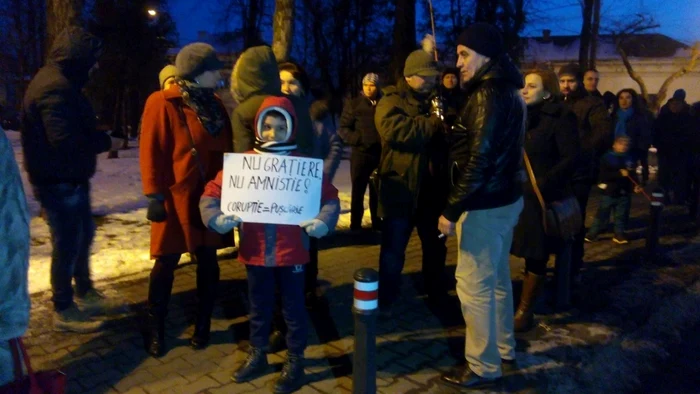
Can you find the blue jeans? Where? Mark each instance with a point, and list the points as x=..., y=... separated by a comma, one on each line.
x=69, y=215
x=620, y=206
x=396, y=233
x=261, y=294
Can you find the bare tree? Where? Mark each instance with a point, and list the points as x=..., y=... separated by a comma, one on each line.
x=689, y=66
x=61, y=14
x=595, y=30
x=283, y=29
x=404, y=36
x=639, y=25
x=586, y=32
x=22, y=26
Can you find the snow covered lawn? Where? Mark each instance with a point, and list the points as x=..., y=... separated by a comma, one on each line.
x=121, y=247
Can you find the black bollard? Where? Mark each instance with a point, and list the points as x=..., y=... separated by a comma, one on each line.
x=365, y=303
x=656, y=206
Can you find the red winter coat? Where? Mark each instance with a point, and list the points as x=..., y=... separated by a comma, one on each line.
x=169, y=169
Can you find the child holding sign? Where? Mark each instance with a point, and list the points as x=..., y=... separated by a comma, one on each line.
x=274, y=254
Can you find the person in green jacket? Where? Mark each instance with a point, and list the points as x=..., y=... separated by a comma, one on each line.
x=256, y=76
x=409, y=183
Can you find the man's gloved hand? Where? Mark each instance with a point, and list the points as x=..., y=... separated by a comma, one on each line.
x=437, y=107
x=223, y=224
x=315, y=228
x=156, y=210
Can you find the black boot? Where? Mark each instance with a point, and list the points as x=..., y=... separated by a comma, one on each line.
x=254, y=366
x=202, y=327
x=524, y=316
x=207, y=283
x=160, y=286
x=156, y=336
x=292, y=377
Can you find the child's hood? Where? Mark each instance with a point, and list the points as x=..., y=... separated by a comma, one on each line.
x=282, y=105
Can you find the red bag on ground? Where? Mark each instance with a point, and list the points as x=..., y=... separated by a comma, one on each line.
x=45, y=382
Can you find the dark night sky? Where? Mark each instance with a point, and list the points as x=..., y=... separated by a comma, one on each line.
x=679, y=19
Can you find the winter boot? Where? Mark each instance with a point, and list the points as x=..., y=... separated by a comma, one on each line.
x=207, y=283
x=202, y=327
x=524, y=316
x=156, y=335
x=292, y=377
x=160, y=286
x=254, y=366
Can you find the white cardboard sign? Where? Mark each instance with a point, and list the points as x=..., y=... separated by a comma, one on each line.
x=273, y=189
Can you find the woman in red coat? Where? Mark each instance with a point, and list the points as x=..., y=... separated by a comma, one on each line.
x=185, y=131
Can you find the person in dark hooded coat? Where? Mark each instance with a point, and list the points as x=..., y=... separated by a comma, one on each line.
x=255, y=77
x=61, y=144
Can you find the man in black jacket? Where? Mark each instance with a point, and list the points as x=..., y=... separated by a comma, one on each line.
x=61, y=144
x=594, y=128
x=485, y=201
x=357, y=129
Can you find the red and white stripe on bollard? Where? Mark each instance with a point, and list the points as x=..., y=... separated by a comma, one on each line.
x=657, y=198
x=364, y=366
x=366, y=294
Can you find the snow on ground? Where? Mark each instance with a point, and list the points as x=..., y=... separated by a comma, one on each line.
x=121, y=245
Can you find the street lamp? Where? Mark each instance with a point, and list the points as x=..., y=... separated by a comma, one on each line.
x=152, y=12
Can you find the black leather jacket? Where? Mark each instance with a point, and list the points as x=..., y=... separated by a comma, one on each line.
x=486, y=143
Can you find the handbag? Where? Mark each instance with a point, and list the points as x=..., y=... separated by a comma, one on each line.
x=562, y=218
x=44, y=382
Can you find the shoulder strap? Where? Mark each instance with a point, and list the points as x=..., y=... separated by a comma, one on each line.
x=533, y=181
x=193, y=149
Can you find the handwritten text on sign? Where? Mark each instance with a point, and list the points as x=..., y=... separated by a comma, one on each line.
x=270, y=188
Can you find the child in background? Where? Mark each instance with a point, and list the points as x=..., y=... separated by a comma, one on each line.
x=616, y=169
x=274, y=254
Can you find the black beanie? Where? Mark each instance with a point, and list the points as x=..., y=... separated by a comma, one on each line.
x=571, y=69
x=483, y=38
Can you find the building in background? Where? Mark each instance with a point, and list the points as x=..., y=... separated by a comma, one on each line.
x=653, y=56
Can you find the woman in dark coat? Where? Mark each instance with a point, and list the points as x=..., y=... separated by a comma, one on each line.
x=551, y=144
x=631, y=118
x=327, y=145
x=175, y=121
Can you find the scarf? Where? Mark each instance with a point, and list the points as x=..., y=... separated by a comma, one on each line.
x=204, y=103
x=623, y=115
x=274, y=147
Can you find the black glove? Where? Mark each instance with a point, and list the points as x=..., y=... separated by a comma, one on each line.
x=156, y=211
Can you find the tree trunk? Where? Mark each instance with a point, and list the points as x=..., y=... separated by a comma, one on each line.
x=250, y=25
x=61, y=14
x=633, y=74
x=283, y=29
x=404, y=37
x=22, y=53
x=585, y=47
x=594, y=34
